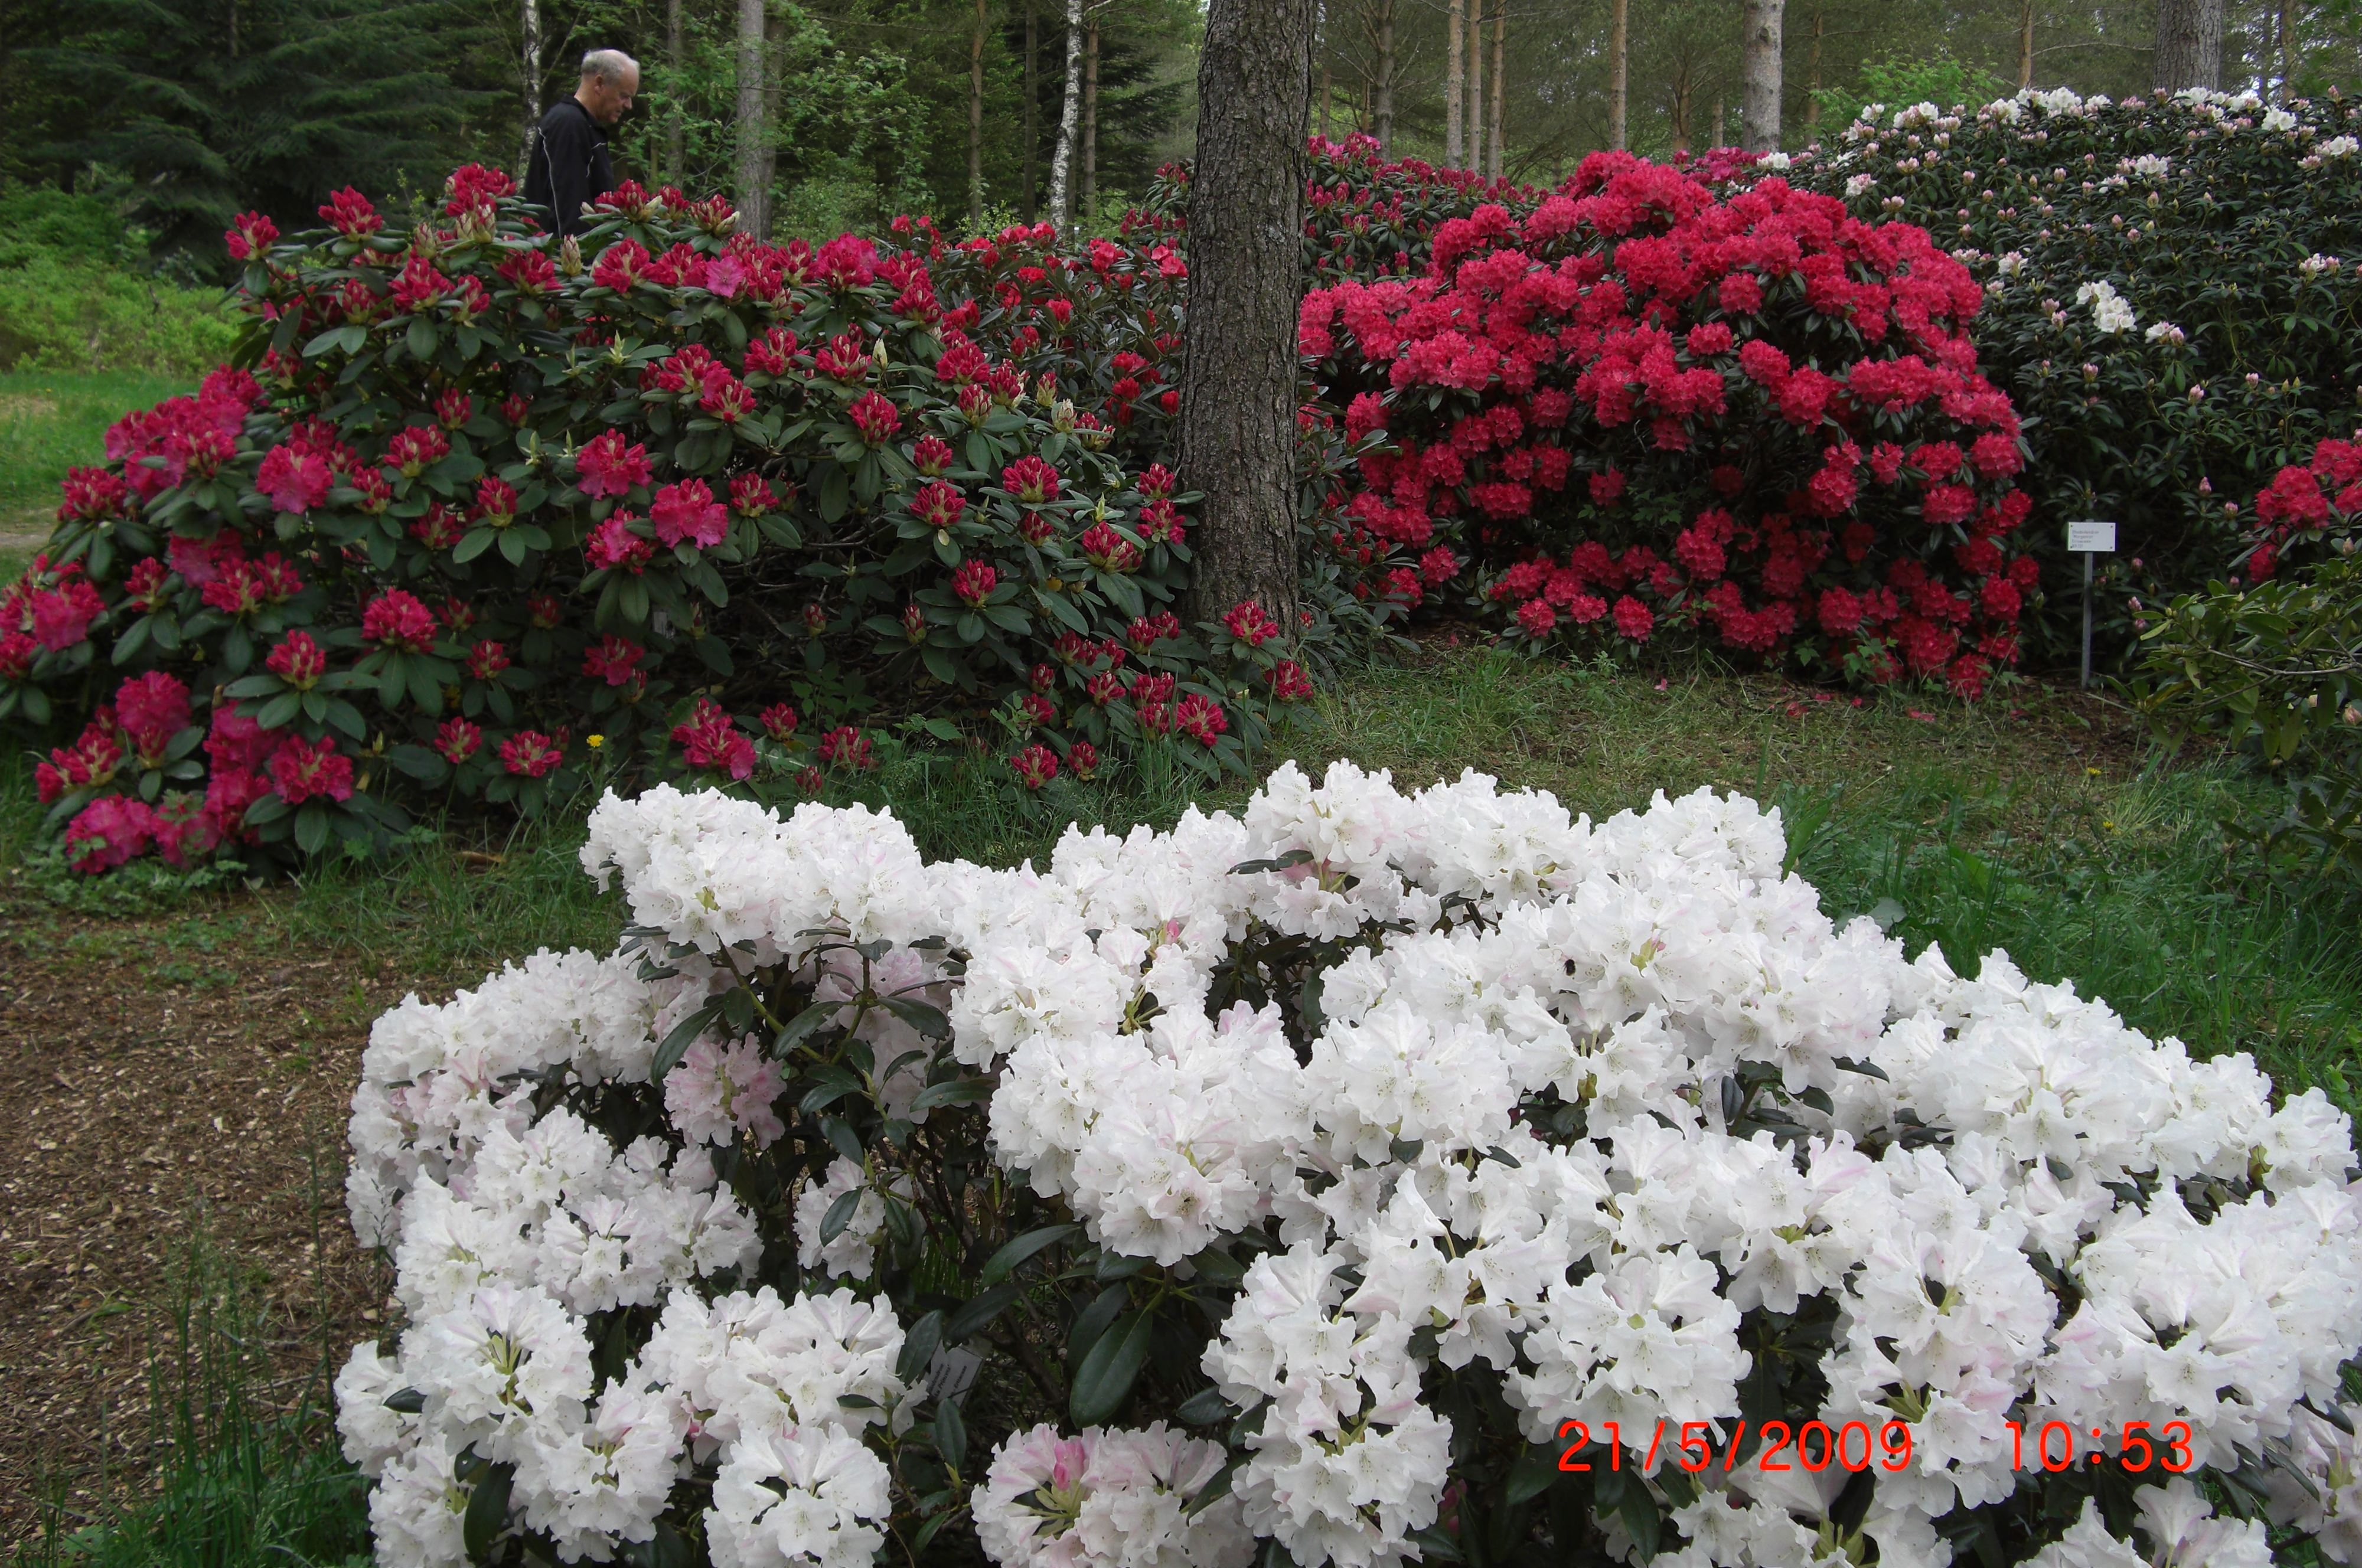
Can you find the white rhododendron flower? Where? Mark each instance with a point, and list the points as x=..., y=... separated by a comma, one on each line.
x=1373, y=1127
x=2111, y=312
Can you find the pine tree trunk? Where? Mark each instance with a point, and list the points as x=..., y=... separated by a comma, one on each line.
x=1683, y=91
x=751, y=133
x=975, y=124
x=1383, y=94
x=1813, y=75
x=529, y=75
x=1500, y=26
x=1759, y=74
x=1089, y=206
x=676, y=110
x=1327, y=91
x=1070, y=114
x=766, y=151
x=2189, y=45
x=2288, y=53
x=1033, y=113
x=1720, y=140
x=1237, y=423
x=1476, y=85
x=1620, y=67
x=2025, y=46
x=1454, y=82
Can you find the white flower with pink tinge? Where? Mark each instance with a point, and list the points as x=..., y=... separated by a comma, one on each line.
x=1109, y=1498
x=716, y=1094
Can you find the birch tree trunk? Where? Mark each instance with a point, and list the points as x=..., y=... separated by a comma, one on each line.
x=1500, y=26
x=975, y=122
x=1070, y=114
x=1620, y=67
x=676, y=126
x=753, y=134
x=1454, y=82
x=2189, y=45
x=1033, y=113
x=1383, y=94
x=1759, y=75
x=529, y=78
x=1236, y=421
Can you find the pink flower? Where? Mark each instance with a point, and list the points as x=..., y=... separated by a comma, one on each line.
x=236, y=743
x=613, y=543
x=1247, y=622
x=108, y=832
x=185, y=832
x=1082, y=760
x=398, y=621
x=62, y=616
x=1633, y=619
x=687, y=512
x=612, y=660
x=252, y=235
x=350, y=214
x=530, y=754
x=487, y=659
x=92, y=493
x=302, y=770
x=1288, y=681
x=1536, y=617
x=457, y=740
x=152, y=709
x=294, y=480
x=229, y=793
x=846, y=746
x=711, y=739
x=1200, y=719
x=608, y=466
x=496, y=503
x=778, y=720
x=718, y=1093
x=1035, y=765
x=416, y=447
x=751, y=495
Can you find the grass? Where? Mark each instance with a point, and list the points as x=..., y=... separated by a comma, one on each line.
x=53, y=420
x=2034, y=822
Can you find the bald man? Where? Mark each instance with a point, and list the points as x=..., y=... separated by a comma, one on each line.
x=569, y=164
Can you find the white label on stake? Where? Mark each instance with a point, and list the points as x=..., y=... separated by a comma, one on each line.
x=2100, y=539
x=951, y=1373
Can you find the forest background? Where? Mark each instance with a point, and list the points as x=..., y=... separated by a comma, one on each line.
x=137, y=128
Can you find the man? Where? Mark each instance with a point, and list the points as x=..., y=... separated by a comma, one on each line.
x=568, y=165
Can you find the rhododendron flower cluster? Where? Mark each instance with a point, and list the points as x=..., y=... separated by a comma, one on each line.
x=1343, y=1151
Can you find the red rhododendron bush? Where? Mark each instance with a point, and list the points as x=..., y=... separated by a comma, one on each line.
x=476, y=497
x=1639, y=405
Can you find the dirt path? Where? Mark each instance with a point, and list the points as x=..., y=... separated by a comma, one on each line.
x=161, y=1080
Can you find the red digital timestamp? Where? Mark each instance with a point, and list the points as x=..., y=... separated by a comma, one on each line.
x=1816, y=1446
x=2060, y=1437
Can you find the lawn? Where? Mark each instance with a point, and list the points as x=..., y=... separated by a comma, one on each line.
x=2042, y=821
x=51, y=420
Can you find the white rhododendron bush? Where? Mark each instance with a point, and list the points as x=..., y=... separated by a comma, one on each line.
x=1365, y=1178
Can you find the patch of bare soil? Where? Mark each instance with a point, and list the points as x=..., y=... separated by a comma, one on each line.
x=164, y=1080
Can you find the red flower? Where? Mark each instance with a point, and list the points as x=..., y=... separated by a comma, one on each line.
x=397, y=620
x=453, y=408
x=1536, y=617
x=608, y=466
x=487, y=659
x=91, y=494
x=416, y=447
x=751, y=496
x=1109, y=550
x=618, y=267
x=931, y=456
x=612, y=660
x=1633, y=619
x=419, y=287
x=846, y=746
x=723, y=395
x=294, y=480
x=457, y=740
x=1607, y=488
x=301, y=770
x=438, y=528
x=108, y=833
x=778, y=720
x=1035, y=765
x=687, y=512
x=1200, y=719
x=973, y=583
x=875, y=417
x=1031, y=481
x=62, y=616
x=937, y=505
x=350, y=214
x=298, y=660
x=1288, y=681
x=251, y=236
x=1082, y=760
x=531, y=754
x=1039, y=710
x=1247, y=622
x=711, y=739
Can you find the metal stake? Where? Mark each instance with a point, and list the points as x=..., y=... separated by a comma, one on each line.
x=2087, y=621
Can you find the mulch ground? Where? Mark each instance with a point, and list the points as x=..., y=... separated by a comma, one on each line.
x=167, y=1085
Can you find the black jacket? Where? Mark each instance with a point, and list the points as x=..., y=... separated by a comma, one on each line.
x=568, y=166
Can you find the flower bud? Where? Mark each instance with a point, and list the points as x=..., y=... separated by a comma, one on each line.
x=569, y=257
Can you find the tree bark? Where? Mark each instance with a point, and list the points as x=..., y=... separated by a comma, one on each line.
x=1500, y=26
x=676, y=112
x=1620, y=67
x=975, y=123
x=1476, y=85
x=2288, y=52
x=1237, y=423
x=1720, y=140
x=1812, y=75
x=1327, y=91
x=2025, y=45
x=1033, y=113
x=1454, y=82
x=1087, y=207
x=1759, y=75
x=529, y=76
x=2189, y=45
x=753, y=187
x=1383, y=94
x=1682, y=97
x=1070, y=114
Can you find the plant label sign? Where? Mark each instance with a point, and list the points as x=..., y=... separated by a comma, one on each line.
x=2097, y=538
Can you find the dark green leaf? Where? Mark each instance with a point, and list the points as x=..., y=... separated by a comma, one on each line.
x=1104, y=1380
x=1002, y=1264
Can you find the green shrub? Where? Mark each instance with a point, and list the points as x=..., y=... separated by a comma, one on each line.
x=62, y=312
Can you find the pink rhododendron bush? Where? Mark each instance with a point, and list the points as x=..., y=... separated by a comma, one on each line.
x=1639, y=404
x=477, y=497
x=1365, y=1178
